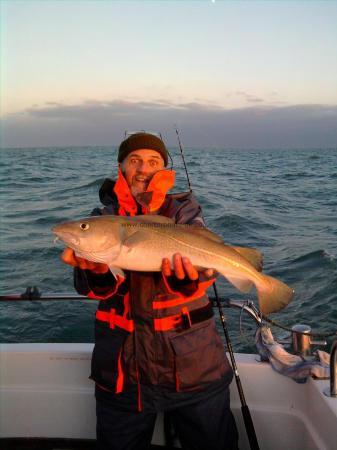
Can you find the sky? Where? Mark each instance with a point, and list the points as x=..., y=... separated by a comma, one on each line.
x=241, y=74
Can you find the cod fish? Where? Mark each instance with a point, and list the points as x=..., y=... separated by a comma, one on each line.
x=139, y=243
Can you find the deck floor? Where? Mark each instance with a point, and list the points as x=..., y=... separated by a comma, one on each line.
x=56, y=444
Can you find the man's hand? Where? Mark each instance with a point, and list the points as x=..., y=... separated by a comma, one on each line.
x=68, y=256
x=182, y=267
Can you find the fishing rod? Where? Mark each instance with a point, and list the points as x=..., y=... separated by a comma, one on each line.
x=183, y=158
x=247, y=418
x=32, y=293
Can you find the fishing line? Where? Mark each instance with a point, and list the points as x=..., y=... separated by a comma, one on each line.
x=317, y=335
x=247, y=418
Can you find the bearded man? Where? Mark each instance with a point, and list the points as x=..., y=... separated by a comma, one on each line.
x=156, y=345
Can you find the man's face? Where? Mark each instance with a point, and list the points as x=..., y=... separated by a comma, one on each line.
x=139, y=167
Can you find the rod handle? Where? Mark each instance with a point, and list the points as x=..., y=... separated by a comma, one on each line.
x=254, y=445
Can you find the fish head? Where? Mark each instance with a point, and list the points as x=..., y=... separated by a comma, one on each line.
x=92, y=235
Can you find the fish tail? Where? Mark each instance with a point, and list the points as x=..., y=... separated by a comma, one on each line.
x=273, y=294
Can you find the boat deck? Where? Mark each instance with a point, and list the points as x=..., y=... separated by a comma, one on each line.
x=58, y=444
x=47, y=403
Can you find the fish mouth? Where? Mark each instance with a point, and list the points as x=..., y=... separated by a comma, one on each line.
x=66, y=236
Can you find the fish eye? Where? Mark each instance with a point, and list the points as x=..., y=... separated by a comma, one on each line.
x=84, y=226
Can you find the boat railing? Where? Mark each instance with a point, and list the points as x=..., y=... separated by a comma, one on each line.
x=331, y=391
x=300, y=337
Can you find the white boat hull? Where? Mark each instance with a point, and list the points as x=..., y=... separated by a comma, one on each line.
x=45, y=393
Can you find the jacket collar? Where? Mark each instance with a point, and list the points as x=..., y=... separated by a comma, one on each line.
x=150, y=200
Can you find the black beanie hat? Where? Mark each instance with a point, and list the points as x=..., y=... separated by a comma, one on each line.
x=139, y=141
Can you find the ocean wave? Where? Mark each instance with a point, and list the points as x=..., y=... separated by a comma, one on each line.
x=314, y=273
x=317, y=255
x=329, y=255
x=234, y=222
x=296, y=175
x=68, y=192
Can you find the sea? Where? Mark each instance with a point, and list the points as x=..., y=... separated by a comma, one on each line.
x=282, y=202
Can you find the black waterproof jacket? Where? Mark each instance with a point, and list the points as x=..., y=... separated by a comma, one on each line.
x=132, y=345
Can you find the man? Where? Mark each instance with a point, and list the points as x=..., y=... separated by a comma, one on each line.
x=156, y=345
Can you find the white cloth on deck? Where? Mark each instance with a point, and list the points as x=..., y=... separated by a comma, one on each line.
x=293, y=366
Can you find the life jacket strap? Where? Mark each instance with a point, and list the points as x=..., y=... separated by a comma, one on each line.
x=114, y=320
x=185, y=319
x=180, y=299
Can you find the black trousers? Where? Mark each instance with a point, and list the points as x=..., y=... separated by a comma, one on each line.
x=204, y=425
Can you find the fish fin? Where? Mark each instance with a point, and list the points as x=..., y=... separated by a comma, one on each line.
x=116, y=271
x=151, y=218
x=273, y=295
x=205, y=232
x=141, y=235
x=252, y=255
x=243, y=284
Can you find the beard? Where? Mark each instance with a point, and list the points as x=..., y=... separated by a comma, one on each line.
x=138, y=186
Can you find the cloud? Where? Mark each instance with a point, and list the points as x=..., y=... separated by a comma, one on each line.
x=95, y=122
x=255, y=99
x=249, y=97
x=93, y=109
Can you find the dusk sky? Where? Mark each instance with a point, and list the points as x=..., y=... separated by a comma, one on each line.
x=228, y=73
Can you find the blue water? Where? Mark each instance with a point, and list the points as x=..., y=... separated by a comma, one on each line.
x=282, y=202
